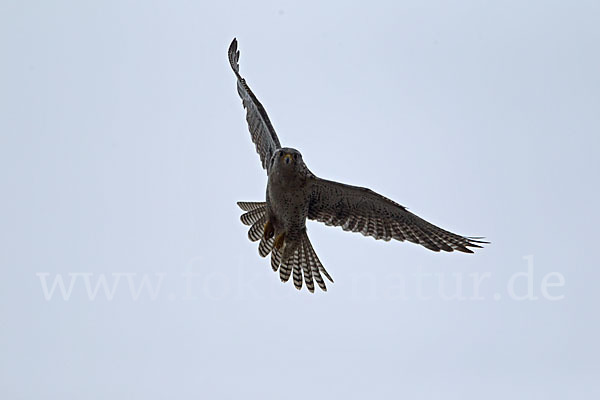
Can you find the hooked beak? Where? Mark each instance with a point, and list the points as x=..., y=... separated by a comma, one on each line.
x=287, y=158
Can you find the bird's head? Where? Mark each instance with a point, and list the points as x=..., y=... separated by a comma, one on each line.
x=287, y=159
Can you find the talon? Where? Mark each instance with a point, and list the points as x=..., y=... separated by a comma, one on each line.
x=268, y=230
x=279, y=241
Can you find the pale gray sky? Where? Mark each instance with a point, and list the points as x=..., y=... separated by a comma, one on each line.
x=123, y=150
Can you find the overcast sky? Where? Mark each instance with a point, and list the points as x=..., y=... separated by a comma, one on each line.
x=123, y=149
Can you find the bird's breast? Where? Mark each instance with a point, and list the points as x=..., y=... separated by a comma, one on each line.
x=288, y=200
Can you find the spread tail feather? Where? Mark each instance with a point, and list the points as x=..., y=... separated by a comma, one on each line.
x=275, y=259
x=256, y=217
x=302, y=262
x=265, y=246
x=251, y=205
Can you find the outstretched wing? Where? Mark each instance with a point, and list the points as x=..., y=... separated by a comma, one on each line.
x=263, y=134
x=362, y=210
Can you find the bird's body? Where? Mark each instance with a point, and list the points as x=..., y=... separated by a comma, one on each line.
x=287, y=206
x=289, y=189
x=294, y=194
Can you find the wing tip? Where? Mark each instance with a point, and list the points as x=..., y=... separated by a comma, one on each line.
x=477, y=239
x=473, y=242
x=234, y=55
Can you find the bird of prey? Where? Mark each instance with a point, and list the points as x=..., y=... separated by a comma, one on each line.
x=294, y=194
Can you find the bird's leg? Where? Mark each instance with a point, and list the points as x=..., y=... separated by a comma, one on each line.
x=269, y=231
x=279, y=241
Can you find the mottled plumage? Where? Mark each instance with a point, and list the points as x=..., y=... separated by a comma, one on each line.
x=295, y=194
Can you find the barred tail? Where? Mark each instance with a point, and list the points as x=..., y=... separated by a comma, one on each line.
x=251, y=205
x=302, y=263
x=255, y=216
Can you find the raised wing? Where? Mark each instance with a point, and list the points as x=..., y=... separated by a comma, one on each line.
x=263, y=134
x=362, y=210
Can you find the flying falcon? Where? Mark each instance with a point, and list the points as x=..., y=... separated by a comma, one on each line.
x=295, y=194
